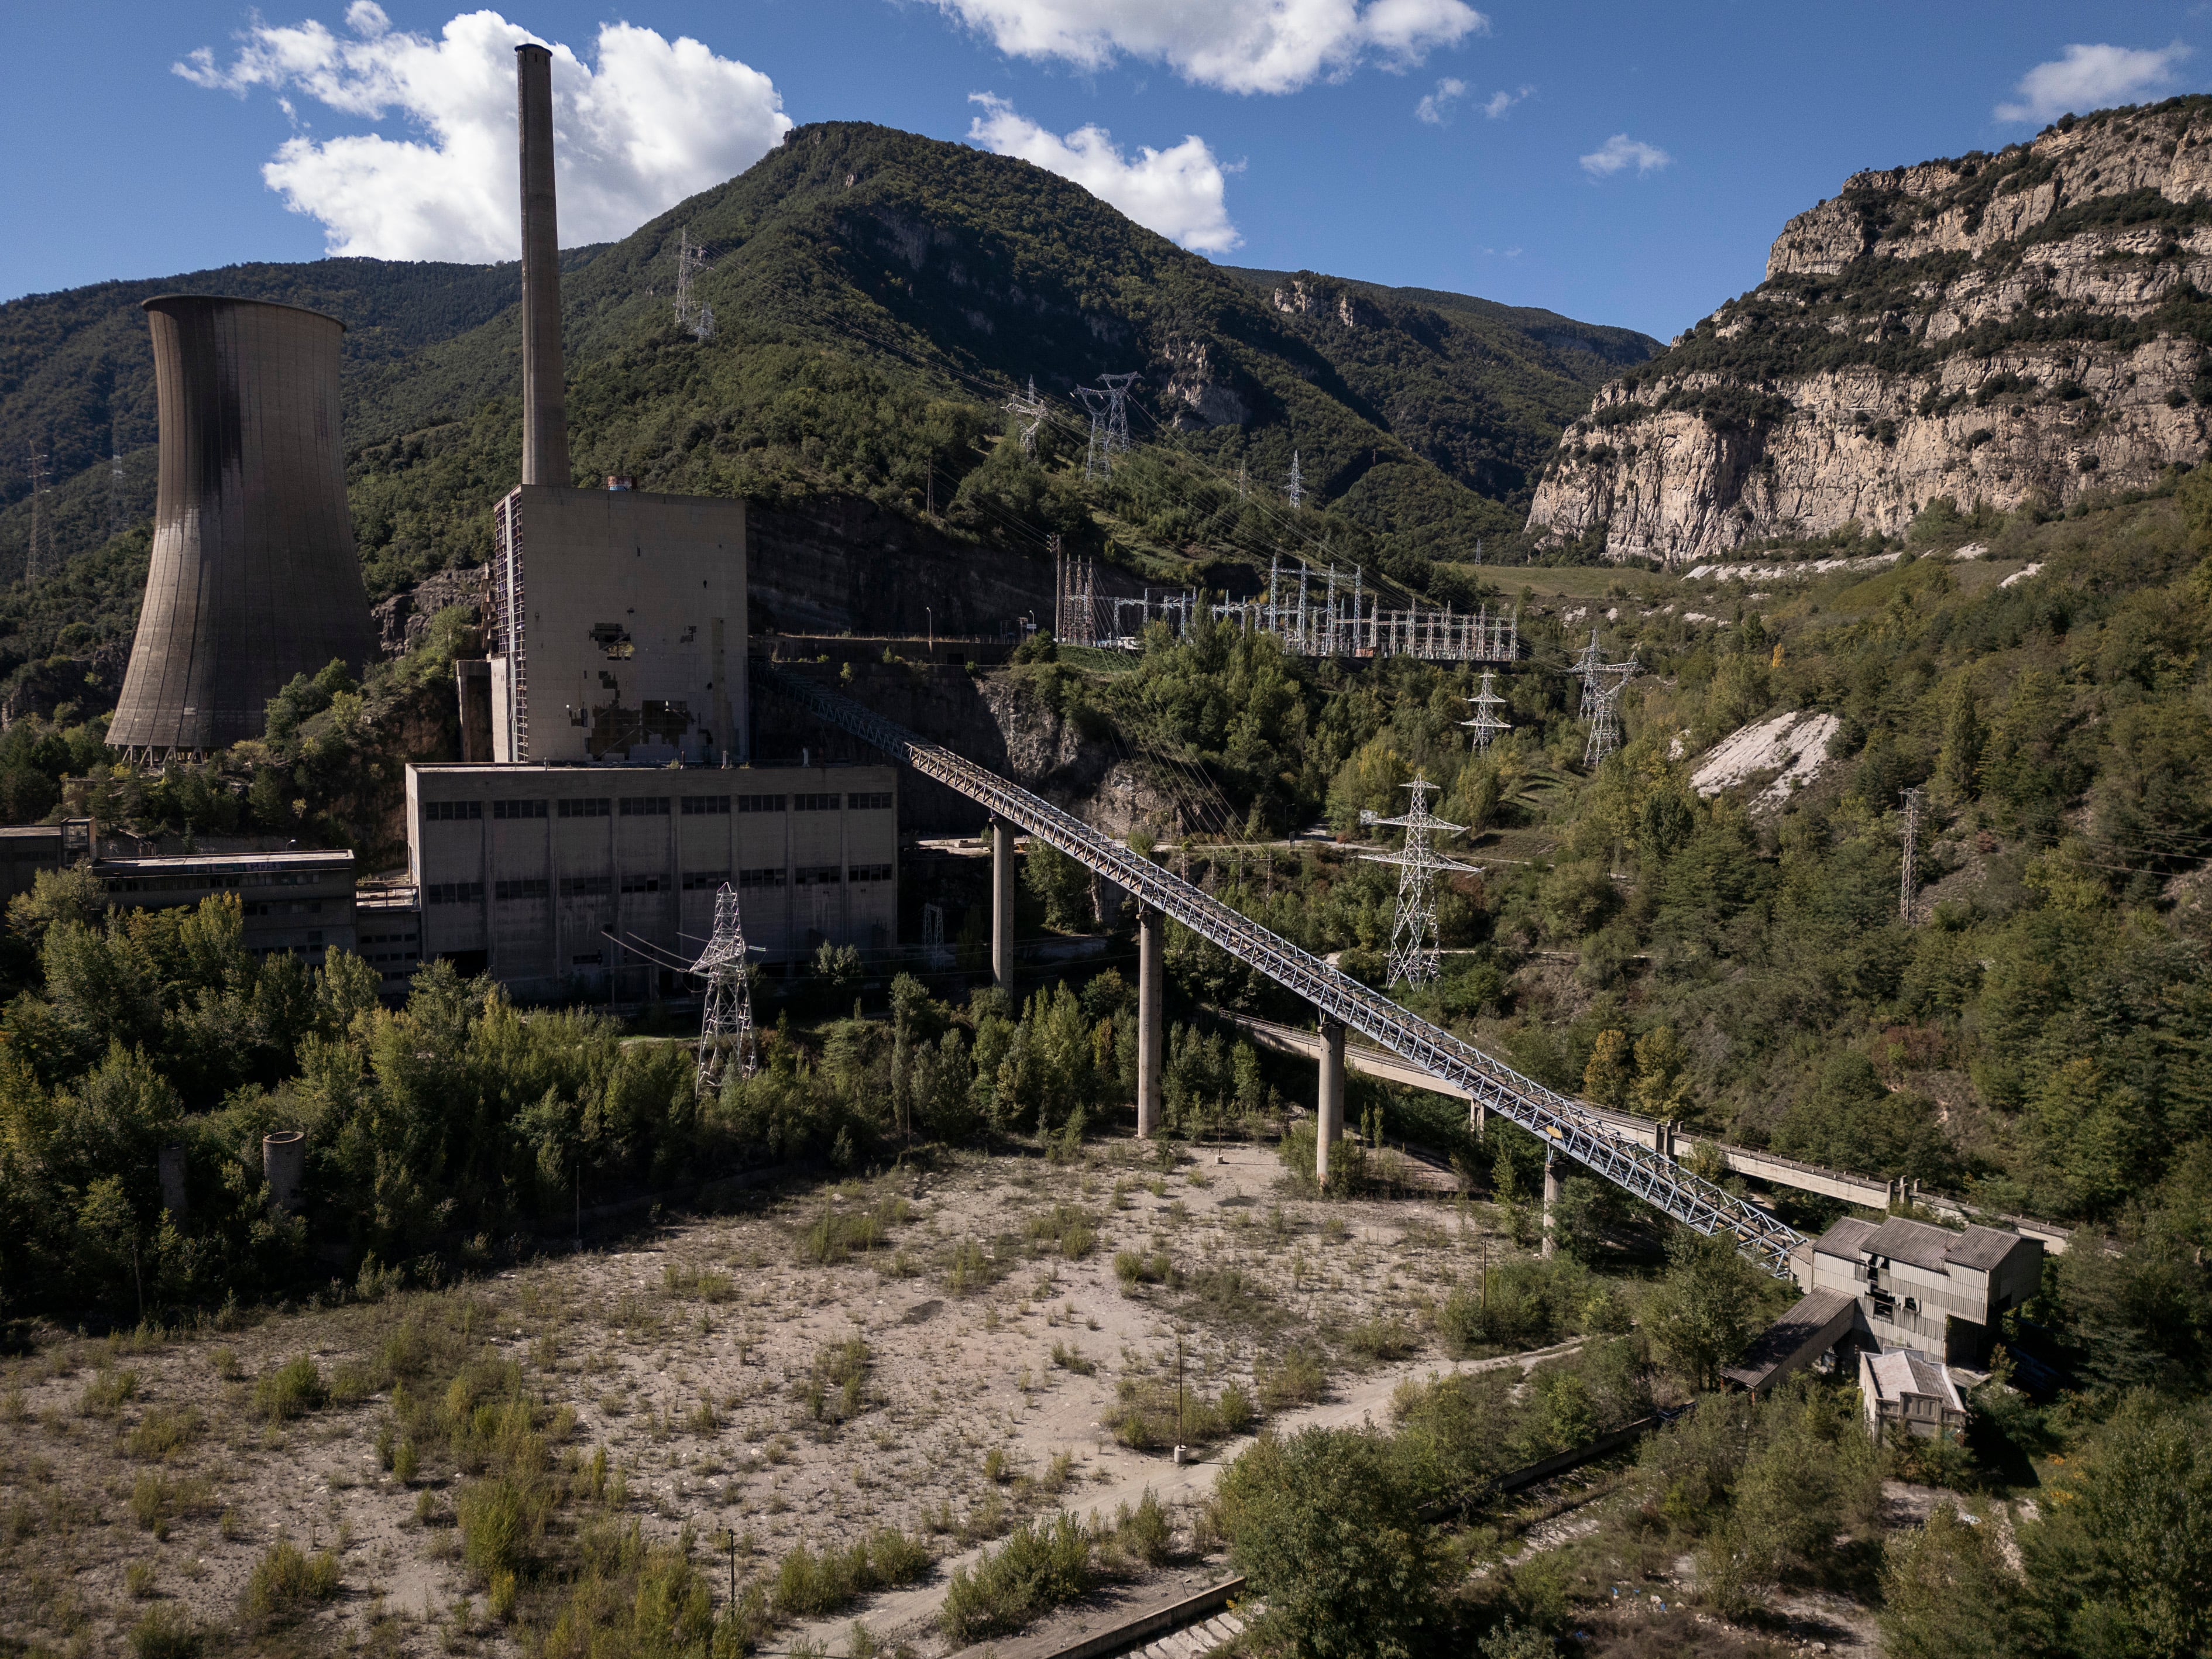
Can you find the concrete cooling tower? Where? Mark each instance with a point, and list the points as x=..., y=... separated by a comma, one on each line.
x=254, y=577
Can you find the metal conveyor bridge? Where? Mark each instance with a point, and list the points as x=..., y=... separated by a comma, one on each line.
x=1564, y=1124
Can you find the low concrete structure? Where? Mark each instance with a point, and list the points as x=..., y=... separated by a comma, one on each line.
x=597, y=881
x=388, y=929
x=1925, y=1287
x=297, y=903
x=27, y=848
x=1906, y=1386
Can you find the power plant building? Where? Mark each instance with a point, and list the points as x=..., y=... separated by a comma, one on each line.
x=619, y=629
x=563, y=881
x=253, y=578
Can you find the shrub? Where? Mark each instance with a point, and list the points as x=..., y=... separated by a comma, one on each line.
x=288, y=1584
x=107, y=1392
x=813, y=1585
x=293, y=1389
x=163, y=1433
x=1323, y=1528
x=165, y=1632
x=971, y=1269
x=1381, y=1341
x=1041, y=1565
x=1294, y=1379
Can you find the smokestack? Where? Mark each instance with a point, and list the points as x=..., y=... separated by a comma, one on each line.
x=545, y=414
x=253, y=577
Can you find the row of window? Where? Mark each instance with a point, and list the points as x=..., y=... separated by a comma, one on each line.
x=538, y=887
x=656, y=807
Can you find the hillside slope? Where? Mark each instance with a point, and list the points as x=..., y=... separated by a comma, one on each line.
x=877, y=294
x=2017, y=329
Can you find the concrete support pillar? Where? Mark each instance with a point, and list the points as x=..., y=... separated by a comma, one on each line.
x=1328, y=1129
x=1002, y=905
x=1151, y=1016
x=284, y=1167
x=1551, y=1195
x=172, y=1164
x=1477, y=1116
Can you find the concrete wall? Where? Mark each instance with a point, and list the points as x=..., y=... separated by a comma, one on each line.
x=300, y=903
x=620, y=627
x=523, y=870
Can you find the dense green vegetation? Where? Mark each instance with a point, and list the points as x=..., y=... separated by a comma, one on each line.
x=878, y=296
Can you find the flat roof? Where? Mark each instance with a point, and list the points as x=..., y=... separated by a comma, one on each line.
x=621, y=769
x=30, y=832
x=210, y=864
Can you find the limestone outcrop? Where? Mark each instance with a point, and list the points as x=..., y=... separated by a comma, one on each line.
x=2015, y=329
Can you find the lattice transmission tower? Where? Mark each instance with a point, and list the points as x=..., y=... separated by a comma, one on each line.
x=1413, y=939
x=1116, y=387
x=1099, y=457
x=1297, y=492
x=115, y=487
x=39, y=556
x=1030, y=408
x=1488, y=723
x=726, y=1024
x=1607, y=681
x=690, y=260
x=1909, y=876
x=1585, y=668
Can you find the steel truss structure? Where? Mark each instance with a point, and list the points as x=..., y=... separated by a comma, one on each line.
x=726, y=1024
x=1413, y=938
x=1343, y=620
x=1565, y=1126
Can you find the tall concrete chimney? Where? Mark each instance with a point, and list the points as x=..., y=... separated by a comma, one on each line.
x=544, y=413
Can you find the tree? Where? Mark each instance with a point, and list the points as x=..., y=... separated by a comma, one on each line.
x=1606, y=1078
x=1323, y=1526
x=1701, y=1315
x=2122, y=1564
x=1947, y=1594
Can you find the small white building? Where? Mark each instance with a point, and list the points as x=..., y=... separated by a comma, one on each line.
x=1906, y=1386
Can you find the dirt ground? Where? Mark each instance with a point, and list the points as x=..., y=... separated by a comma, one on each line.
x=684, y=1351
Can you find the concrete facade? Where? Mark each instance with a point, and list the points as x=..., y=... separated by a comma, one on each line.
x=1913, y=1390
x=297, y=903
x=253, y=577
x=619, y=631
x=1925, y=1287
x=566, y=881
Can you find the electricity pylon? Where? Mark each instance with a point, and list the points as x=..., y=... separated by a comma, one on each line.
x=1297, y=489
x=1909, y=876
x=1487, y=722
x=1413, y=955
x=1030, y=409
x=1116, y=387
x=726, y=1024
x=691, y=260
x=1605, y=708
x=1585, y=668
x=1099, y=457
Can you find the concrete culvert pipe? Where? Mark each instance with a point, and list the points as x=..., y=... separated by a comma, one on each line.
x=284, y=1167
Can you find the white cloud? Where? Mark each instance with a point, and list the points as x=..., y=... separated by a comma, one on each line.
x=1236, y=46
x=1499, y=102
x=1436, y=108
x=2090, y=77
x=1619, y=153
x=1178, y=192
x=655, y=121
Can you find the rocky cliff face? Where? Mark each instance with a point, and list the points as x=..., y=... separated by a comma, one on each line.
x=2019, y=328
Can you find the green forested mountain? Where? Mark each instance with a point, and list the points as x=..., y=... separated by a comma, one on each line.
x=875, y=296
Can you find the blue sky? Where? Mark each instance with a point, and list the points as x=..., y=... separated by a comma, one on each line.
x=1707, y=126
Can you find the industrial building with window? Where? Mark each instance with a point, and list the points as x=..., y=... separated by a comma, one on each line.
x=566, y=881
